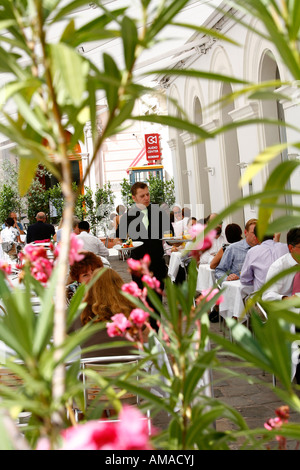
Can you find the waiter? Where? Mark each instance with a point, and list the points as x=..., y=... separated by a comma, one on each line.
x=147, y=223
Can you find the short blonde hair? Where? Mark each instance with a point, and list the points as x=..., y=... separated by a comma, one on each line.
x=249, y=223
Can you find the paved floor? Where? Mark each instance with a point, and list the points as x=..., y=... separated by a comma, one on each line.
x=254, y=401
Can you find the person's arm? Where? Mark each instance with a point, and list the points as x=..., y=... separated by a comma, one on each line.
x=274, y=291
x=18, y=227
x=225, y=264
x=122, y=229
x=216, y=259
x=103, y=250
x=247, y=274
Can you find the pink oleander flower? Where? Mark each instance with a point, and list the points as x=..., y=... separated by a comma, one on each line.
x=138, y=316
x=93, y=435
x=134, y=265
x=151, y=281
x=118, y=326
x=132, y=288
x=273, y=423
x=112, y=330
x=139, y=267
x=209, y=294
x=32, y=252
x=41, y=269
x=146, y=260
x=130, y=432
x=196, y=230
x=204, y=243
x=5, y=267
x=283, y=414
x=76, y=245
x=133, y=430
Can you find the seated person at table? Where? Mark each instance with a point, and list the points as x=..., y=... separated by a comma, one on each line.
x=91, y=242
x=259, y=259
x=233, y=259
x=218, y=242
x=233, y=233
x=176, y=270
x=178, y=247
x=283, y=288
x=105, y=299
x=40, y=230
x=81, y=272
x=9, y=238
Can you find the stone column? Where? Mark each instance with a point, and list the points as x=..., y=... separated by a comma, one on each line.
x=250, y=143
x=196, y=205
x=177, y=181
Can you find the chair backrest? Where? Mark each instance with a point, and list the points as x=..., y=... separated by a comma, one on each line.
x=112, y=367
x=9, y=378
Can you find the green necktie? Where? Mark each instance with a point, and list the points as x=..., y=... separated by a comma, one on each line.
x=145, y=218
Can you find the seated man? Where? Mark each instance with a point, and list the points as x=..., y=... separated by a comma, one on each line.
x=234, y=256
x=40, y=230
x=259, y=259
x=90, y=242
x=283, y=287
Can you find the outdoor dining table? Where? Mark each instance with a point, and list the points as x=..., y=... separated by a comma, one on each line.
x=233, y=295
x=174, y=264
x=206, y=277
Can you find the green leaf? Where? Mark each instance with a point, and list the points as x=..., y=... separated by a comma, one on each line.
x=197, y=369
x=112, y=91
x=44, y=325
x=165, y=14
x=207, y=31
x=27, y=172
x=174, y=122
x=170, y=289
x=198, y=74
x=277, y=181
x=261, y=161
x=130, y=40
x=70, y=72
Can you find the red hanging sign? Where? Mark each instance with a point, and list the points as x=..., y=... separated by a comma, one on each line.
x=152, y=147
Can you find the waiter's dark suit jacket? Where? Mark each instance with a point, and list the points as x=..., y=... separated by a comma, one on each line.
x=39, y=231
x=131, y=225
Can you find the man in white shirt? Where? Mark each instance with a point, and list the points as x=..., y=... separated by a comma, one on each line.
x=90, y=242
x=282, y=288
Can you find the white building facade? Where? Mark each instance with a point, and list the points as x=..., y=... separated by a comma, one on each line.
x=207, y=173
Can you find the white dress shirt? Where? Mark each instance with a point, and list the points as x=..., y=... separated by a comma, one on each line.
x=208, y=255
x=92, y=243
x=284, y=286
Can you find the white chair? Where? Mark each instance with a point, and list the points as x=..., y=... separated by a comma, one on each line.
x=108, y=367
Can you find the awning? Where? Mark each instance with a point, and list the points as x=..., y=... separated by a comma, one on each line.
x=137, y=158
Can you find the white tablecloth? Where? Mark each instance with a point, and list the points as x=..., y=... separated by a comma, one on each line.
x=174, y=263
x=233, y=304
x=206, y=277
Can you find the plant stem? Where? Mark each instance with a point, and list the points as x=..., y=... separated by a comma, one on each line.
x=61, y=156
